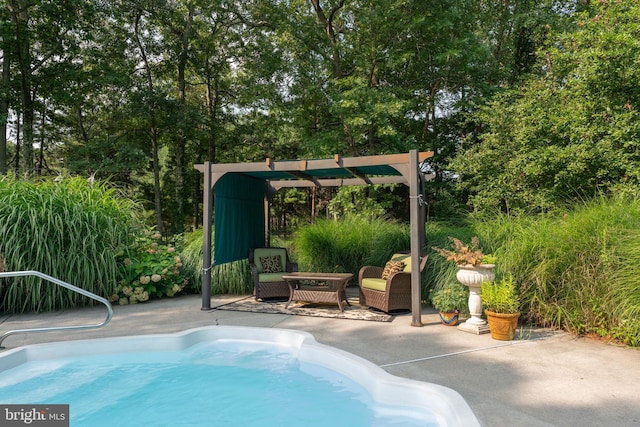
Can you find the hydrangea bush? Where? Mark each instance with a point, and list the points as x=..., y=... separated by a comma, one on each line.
x=153, y=270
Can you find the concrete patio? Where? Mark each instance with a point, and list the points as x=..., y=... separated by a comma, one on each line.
x=543, y=378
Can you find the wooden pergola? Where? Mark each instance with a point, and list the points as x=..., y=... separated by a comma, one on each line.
x=403, y=168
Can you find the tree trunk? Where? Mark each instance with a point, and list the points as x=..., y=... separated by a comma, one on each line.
x=429, y=115
x=16, y=162
x=213, y=100
x=4, y=105
x=40, y=164
x=326, y=20
x=153, y=131
x=20, y=17
x=181, y=143
x=197, y=196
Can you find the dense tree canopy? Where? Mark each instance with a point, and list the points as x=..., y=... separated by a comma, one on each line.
x=535, y=100
x=569, y=131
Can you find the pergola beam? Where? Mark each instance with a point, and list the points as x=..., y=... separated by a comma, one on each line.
x=312, y=180
x=338, y=182
x=360, y=175
x=396, y=161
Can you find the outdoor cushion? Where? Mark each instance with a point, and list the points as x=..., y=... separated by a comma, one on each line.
x=271, y=277
x=374, y=283
x=260, y=253
x=406, y=258
x=392, y=267
x=271, y=264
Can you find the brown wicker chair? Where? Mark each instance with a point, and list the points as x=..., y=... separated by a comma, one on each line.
x=392, y=293
x=270, y=284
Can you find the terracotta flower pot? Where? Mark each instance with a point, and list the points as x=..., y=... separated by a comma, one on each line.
x=502, y=326
x=449, y=318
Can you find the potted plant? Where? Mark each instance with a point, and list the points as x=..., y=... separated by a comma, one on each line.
x=474, y=268
x=501, y=302
x=450, y=300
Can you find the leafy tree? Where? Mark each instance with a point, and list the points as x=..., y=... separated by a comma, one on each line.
x=98, y=139
x=44, y=39
x=570, y=132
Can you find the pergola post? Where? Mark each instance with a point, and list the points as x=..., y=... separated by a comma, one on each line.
x=269, y=191
x=417, y=230
x=207, y=202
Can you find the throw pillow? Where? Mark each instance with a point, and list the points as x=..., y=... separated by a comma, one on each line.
x=392, y=267
x=271, y=264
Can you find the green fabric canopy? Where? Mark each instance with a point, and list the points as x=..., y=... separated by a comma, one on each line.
x=238, y=217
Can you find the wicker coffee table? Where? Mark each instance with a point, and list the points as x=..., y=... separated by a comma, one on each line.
x=332, y=291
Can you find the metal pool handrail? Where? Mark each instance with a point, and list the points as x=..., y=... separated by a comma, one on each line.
x=64, y=285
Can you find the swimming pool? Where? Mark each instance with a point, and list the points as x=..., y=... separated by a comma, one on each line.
x=222, y=376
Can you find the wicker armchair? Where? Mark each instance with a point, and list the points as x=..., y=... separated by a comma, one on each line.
x=392, y=292
x=267, y=275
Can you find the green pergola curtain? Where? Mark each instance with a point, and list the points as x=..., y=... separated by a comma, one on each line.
x=238, y=217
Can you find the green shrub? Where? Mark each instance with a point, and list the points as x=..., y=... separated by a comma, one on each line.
x=152, y=269
x=70, y=230
x=366, y=202
x=452, y=296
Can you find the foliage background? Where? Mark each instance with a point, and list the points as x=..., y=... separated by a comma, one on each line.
x=137, y=92
x=571, y=130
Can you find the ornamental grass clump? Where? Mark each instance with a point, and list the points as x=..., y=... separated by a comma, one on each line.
x=578, y=270
x=72, y=230
x=346, y=244
x=229, y=278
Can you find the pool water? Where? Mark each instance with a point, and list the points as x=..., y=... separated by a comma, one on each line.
x=208, y=383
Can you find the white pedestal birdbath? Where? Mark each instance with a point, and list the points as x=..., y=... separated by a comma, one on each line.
x=472, y=277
